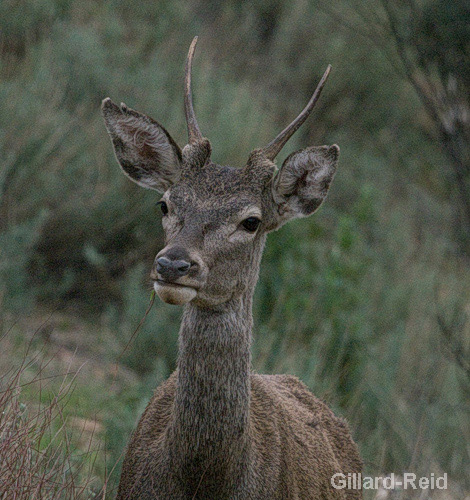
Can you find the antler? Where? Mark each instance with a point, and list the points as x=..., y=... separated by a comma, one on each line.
x=194, y=134
x=275, y=146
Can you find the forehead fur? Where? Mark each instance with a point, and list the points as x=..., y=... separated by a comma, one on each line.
x=212, y=180
x=217, y=192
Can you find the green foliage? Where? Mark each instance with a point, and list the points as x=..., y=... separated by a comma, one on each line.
x=347, y=299
x=17, y=248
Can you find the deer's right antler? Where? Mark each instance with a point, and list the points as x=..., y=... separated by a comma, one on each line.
x=275, y=146
x=194, y=134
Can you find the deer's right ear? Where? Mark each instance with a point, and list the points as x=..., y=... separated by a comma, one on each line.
x=144, y=149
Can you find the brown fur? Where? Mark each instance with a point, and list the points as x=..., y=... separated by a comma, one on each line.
x=288, y=425
x=215, y=430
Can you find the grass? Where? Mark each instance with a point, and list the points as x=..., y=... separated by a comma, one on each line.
x=53, y=423
x=38, y=451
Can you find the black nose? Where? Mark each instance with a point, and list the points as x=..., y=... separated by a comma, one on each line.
x=170, y=269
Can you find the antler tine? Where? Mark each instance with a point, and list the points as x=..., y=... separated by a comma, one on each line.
x=194, y=134
x=275, y=146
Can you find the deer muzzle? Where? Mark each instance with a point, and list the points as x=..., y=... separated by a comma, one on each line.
x=174, y=275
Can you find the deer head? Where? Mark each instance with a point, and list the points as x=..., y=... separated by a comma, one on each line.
x=216, y=218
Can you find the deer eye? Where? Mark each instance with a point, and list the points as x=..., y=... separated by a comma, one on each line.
x=251, y=224
x=163, y=207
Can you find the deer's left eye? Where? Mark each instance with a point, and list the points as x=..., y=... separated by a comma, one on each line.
x=251, y=224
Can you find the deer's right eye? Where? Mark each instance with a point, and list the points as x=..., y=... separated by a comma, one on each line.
x=163, y=207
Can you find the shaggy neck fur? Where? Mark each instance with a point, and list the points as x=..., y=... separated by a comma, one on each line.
x=211, y=409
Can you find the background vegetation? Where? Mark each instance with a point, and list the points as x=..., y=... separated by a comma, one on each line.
x=367, y=302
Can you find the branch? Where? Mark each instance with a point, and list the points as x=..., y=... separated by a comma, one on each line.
x=454, y=345
x=407, y=64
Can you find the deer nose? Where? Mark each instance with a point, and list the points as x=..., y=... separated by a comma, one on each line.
x=171, y=269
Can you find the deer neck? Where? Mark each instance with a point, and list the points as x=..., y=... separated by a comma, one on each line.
x=212, y=399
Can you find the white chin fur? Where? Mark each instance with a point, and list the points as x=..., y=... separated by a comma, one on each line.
x=173, y=294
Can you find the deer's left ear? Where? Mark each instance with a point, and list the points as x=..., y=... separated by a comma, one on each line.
x=303, y=181
x=144, y=149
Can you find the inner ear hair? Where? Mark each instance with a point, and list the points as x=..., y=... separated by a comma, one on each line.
x=144, y=149
x=304, y=179
x=296, y=167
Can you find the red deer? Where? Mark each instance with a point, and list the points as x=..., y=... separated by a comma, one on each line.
x=215, y=430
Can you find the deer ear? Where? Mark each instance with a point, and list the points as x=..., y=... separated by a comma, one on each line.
x=144, y=149
x=303, y=181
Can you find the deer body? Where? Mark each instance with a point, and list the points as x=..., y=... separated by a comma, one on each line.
x=225, y=433
x=215, y=430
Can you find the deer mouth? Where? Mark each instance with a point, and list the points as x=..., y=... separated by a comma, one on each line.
x=174, y=293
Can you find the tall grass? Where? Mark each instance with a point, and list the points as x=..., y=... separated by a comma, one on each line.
x=37, y=442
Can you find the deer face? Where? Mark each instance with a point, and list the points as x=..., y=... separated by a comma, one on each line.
x=215, y=218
